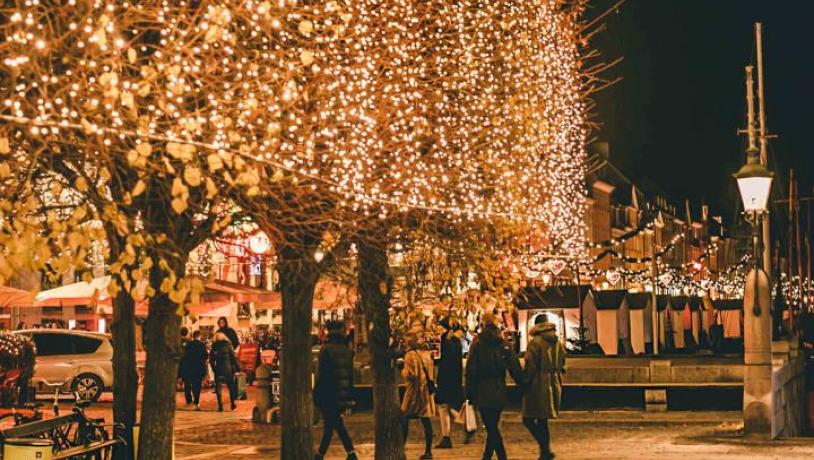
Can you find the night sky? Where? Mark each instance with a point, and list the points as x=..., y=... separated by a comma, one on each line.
x=673, y=118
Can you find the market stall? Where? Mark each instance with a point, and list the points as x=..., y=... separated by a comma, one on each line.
x=663, y=303
x=563, y=305
x=641, y=322
x=612, y=322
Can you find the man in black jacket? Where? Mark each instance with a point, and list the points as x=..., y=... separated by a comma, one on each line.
x=333, y=391
x=194, y=369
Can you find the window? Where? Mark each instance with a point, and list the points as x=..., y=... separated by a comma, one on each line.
x=85, y=345
x=52, y=344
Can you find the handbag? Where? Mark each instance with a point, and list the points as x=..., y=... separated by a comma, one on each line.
x=430, y=382
x=467, y=417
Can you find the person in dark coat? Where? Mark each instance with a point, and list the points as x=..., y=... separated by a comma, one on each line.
x=194, y=360
x=224, y=365
x=545, y=363
x=490, y=359
x=333, y=391
x=450, y=393
x=223, y=326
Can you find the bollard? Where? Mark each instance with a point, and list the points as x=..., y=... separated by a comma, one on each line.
x=262, y=397
x=27, y=449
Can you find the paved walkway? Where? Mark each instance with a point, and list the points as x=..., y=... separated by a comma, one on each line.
x=606, y=436
x=209, y=435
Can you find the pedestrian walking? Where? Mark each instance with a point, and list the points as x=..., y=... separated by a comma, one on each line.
x=180, y=381
x=450, y=395
x=194, y=360
x=545, y=363
x=223, y=360
x=333, y=391
x=490, y=359
x=223, y=326
x=418, y=401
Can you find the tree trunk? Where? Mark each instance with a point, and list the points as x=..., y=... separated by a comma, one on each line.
x=125, y=375
x=298, y=277
x=375, y=287
x=162, y=341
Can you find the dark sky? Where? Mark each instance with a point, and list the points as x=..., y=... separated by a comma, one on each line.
x=673, y=118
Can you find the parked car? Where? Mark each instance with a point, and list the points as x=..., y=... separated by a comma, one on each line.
x=82, y=361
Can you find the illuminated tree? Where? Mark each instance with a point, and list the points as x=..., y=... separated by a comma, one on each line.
x=146, y=113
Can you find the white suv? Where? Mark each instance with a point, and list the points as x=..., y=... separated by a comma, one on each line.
x=83, y=361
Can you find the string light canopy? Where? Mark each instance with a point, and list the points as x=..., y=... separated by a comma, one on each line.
x=473, y=109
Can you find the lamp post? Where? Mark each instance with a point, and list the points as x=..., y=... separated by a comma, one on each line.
x=754, y=182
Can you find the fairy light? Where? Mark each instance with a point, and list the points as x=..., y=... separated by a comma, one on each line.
x=468, y=108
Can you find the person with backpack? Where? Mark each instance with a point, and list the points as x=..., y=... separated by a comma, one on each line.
x=418, y=401
x=490, y=359
x=333, y=391
x=545, y=364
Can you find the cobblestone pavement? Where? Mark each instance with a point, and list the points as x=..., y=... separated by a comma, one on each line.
x=208, y=434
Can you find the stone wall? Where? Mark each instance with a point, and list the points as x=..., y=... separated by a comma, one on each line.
x=788, y=389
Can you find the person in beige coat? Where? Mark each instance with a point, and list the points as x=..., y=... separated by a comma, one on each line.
x=418, y=401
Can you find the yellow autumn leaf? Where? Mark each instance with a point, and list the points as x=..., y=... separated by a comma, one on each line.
x=132, y=157
x=81, y=184
x=214, y=162
x=138, y=189
x=178, y=188
x=131, y=55
x=143, y=89
x=179, y=205
x=5, y=171
x=5, y=149
x=211, y=189
x=104, y=173
x=192, y=176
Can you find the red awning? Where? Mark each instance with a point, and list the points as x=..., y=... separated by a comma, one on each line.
x=10, y=297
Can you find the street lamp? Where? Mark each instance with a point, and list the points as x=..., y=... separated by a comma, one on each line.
x=754, y=183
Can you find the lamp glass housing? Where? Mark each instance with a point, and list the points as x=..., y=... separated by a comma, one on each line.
x=755, y=192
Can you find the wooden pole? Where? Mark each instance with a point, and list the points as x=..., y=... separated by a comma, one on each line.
x=798, y=245
x=654, y=313
x=750, y=108
x=764, y=150
x=790, y=249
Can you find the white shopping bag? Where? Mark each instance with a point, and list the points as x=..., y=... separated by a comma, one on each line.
x=469, y=419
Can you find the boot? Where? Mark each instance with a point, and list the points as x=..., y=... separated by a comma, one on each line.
x=426, y=456
x=446, y=443
x=352, y=456
x=318, y=456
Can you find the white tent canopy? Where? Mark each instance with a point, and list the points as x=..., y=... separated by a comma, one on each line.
x=82, y=293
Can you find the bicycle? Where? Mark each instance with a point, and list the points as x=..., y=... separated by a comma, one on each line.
x=21, y=419
x=57, y=386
